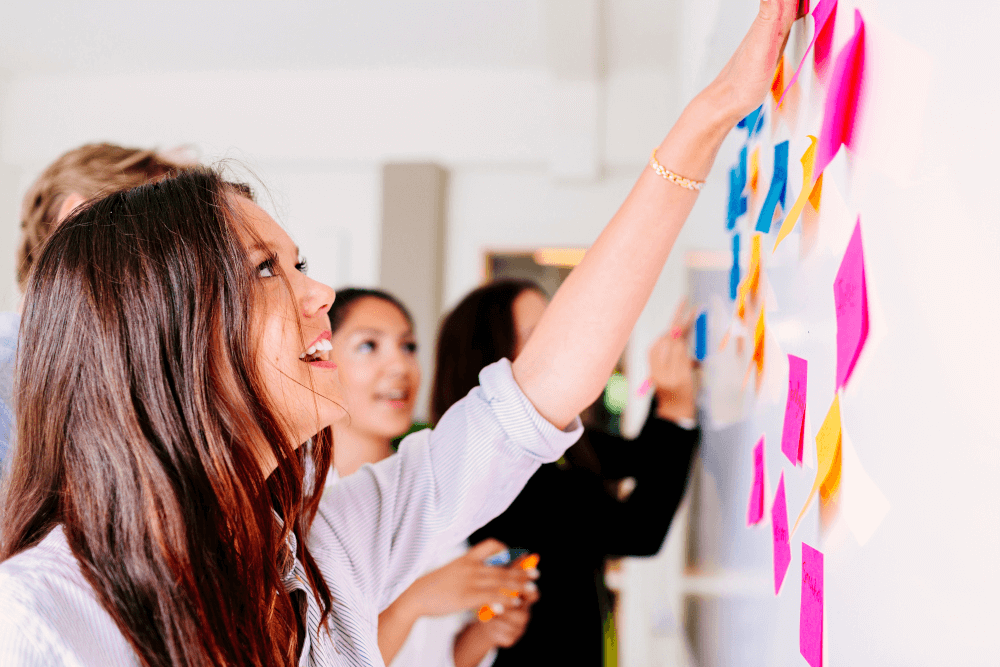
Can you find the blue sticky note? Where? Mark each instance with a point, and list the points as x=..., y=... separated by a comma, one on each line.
x=734, y=273
x=737, y=183
x=750, y=123
x=776, y=192
x=701, y=336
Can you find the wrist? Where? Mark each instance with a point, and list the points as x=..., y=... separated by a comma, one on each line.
x=690, y=148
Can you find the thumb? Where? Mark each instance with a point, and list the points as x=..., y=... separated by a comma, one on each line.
x=486, y=548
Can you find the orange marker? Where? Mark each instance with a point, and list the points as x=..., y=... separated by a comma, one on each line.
x=530, y=562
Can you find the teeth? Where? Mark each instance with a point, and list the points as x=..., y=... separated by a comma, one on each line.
x=326, y=345
x=302, y=356
x=311, y=350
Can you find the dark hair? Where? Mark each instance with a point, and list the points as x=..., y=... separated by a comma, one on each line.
x=142, y=422
x=89, y=171
x=476, y=333
x=348, y=297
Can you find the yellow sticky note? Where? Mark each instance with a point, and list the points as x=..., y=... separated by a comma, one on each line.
x=828, y=457
x=816, y=193
x=754, y=168
x=808, y=161
x=751, y=283
x=758, y=343
x=778, y=82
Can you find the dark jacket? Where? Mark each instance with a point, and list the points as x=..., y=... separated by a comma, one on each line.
x=568, y=516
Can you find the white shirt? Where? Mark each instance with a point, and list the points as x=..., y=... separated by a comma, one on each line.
x=370, y=538
x=431, y=642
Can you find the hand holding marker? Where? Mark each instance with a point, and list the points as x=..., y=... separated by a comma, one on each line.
x=672, y=368
x=529, y=563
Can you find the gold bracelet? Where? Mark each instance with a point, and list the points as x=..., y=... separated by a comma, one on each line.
x=686, y=183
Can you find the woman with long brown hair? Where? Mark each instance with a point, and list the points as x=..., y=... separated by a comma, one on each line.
x=174, y=356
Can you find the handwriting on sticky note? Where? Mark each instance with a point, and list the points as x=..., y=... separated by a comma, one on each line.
x=795, y=410
x=779, y=535
x=829, y=459
x=840, y=112
x=776, y=191
x=811, y=607
x=755, y=507
x=850, y=294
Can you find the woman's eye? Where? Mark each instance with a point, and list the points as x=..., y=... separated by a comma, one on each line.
x=266, y=268
x=410, y=348
x=367, y=347
x=302, y=266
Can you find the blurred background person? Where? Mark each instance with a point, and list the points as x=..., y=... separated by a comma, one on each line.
x=430, y=623
x=78, y=175
x=569, y=512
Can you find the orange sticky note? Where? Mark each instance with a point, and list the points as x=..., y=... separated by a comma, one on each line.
x=751, y=283
x=758, y=343
x=778, y=82
x=828, y=457
x=808, y=163
x=755, y=169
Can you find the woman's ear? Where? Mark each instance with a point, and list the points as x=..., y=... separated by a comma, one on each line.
x=69, y=204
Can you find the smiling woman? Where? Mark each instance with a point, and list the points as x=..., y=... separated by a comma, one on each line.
x=157, y=511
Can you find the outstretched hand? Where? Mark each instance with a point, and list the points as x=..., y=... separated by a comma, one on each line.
x=746, y=78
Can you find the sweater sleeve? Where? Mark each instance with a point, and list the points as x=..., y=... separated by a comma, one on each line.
x=660, y=461
x=382, y=522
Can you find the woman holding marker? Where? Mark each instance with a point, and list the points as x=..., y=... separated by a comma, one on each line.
x=157, y=511
x=375, y=348
x=571, y=512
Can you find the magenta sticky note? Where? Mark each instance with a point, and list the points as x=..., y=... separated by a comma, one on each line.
x=822, y=28
x=755, y=507
x=811, y=609
x=850, y=296
x=779, y=534
x=843, y=97
x=824, y=21
x=795, y=410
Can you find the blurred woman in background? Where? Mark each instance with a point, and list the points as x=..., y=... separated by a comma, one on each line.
x=570, y=512
x=375, y=349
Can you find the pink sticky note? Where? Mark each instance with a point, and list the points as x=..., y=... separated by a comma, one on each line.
x=811, y=610
x=842, y=98
x=822, y=28
x=779, y=533
x=850, y=296
x=795, y=410
x=647, y=384
x=825, y=17
x=755, y=508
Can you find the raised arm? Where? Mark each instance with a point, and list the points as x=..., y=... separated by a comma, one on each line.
x=566, y=362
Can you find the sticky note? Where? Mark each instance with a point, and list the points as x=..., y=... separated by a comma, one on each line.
x=842, y=98
x=734, y=272
x=776, y=191
x=758, y=343
x=795, y=410
x=779, y=535
x=701, y=336
x=752, y=122
x=754, y=173
x=778, y=82
x=811, y=607
x=755, y=506
x=808, y=161
x=751, y=283
x=822, y=28
x=644, y=388
x=737, y=183
x=828, y=459
x=850, y=296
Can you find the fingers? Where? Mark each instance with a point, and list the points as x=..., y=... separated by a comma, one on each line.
x=679, y=314
x=485, y=549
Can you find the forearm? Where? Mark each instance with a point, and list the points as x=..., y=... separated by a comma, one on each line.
x=471, y=645
x=571, y=353
x=394, y=626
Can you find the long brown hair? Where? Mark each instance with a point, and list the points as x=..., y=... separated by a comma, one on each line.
x=476, y=333
x=142, y=422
